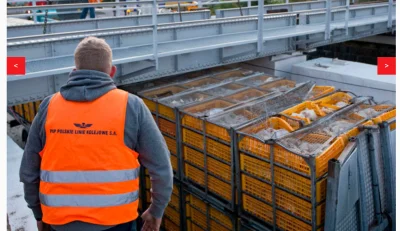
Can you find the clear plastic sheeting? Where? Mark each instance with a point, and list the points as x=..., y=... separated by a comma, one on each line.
x=257, y=80
x=209, y=112
x=184, y=99
x=270, y=133
x=315, y=139
x=268, y=106
x=223, y=90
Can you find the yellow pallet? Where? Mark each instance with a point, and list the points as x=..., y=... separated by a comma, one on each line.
x=302, y=106
x=171, y=143
x=197, y=123
x=278, y=83
x=319, y=91
x=167, y=127
x=245, y=95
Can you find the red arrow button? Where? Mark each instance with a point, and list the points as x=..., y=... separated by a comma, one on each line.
x=386, y=65
x=15, y=65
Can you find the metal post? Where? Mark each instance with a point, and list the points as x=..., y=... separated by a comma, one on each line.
x=347, y=17
x=155, y=48
x=34, y=11
x=312, y=165
x=328, y=20
x=271, y=148
x=374, y=174
x=332, y=194
x=387, y=163
x=179, y=11
x=260, y=26
x=248, y=3
x=361, y=174
x=117, y=11
x=200, y=4
x=390, y=12
x=287, y=1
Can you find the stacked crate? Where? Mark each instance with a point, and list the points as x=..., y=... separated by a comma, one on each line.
x=174, y=213
x=208, y=142
x=27, y=111
x=203, y=216
x=283, y=186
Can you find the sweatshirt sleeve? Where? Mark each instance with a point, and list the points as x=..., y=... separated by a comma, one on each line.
x=29, y=171
x=153, y=154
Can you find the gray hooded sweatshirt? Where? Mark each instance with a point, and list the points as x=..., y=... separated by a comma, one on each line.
x=141, y=135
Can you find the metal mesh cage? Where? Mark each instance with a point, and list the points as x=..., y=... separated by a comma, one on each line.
x=351, y=221
x=184, y=99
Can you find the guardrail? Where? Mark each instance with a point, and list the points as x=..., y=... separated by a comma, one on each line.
x=290, y=7
x=103, y=23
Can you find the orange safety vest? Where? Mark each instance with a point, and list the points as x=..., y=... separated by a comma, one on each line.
x=87, y=172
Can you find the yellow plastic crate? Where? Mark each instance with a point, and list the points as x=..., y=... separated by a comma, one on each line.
x=219, y=187
x=233, y=74
x=174, y=162
x=319, y=91
x=278, y=83
x=297, y=162
x=257, y=188
x=172, y=214
x=298, y=184
x=37, y=104
x=287, y=222
x=192, y=138
x=201, y=82
x=220, y=217
x=254, y=146
x=171, y=143
x=170, y=225
x=330, y=101
x=175, y=190
x=258, y=209
x=218, y=131
x=26, y=112
x=194, y=174
x=151, y=105
x=215, y=215
x=193, y=156
x=167, y=126
x=219, y=169
x=245, y=95
x=283, y=200
x=199, y=218
x=218, y=149
x=161, y=92
x=302, y=106
x=255, y=167
x=385, y=117
x=197, y=123
x=32, y=111
x=174, y=202
x=166, y=111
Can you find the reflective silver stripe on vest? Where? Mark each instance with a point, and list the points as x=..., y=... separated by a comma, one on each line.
x=88, y=200
x=89, y=176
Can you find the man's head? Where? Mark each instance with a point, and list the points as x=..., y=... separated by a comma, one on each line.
x=94, y=54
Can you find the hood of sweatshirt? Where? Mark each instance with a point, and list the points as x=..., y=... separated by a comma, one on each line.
x=86, y=85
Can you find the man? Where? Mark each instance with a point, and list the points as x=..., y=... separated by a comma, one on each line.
x=84, y=149
x=92, y=12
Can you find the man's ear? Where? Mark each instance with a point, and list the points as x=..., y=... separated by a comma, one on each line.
x=113, y=71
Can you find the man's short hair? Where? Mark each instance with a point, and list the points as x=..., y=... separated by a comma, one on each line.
x=93, y=54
